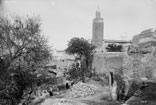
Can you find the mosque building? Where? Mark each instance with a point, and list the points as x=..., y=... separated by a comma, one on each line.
x=104, y=59
x=98, y=35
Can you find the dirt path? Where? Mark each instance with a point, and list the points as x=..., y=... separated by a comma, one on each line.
x=101, y=98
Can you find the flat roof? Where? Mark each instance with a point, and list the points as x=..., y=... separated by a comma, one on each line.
x=117, y=41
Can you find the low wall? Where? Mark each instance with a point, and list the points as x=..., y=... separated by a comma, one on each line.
x=102, y=62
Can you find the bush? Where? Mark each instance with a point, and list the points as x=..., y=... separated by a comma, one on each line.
x=73, y=73
x=114, y=48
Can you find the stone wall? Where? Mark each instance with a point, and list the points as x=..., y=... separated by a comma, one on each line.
x=108, y=61
x=139, y=65
x=135, y=65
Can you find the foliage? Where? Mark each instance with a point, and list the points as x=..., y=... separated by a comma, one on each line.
x=73, y=73
x=23, y=51
x=79, y=46
x=114, y=48
x=82, y=48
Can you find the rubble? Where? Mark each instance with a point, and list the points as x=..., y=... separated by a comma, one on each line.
x=82, y=90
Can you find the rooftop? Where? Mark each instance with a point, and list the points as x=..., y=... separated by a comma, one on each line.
x=117, y=41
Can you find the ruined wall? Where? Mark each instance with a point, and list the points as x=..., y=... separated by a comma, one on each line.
x=138, y=65
x=141, y=61
x=108, y=61
x=149, y=61
x=135, y=65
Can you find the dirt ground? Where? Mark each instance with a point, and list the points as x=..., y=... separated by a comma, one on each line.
x=101, y=98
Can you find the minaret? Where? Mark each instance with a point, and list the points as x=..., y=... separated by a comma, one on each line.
x=97, y=30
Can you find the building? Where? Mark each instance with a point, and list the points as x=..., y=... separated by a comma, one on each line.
x=103, y=60
x=98, y=35
x=146, y=37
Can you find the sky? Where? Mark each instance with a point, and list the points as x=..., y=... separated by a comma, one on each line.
x=65, y=19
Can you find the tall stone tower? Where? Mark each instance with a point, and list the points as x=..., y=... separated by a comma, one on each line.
x=97, y=30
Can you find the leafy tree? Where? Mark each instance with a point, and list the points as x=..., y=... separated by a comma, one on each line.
x=84, y=50
x=114, y=48
x=21, y=42
x=23, y=51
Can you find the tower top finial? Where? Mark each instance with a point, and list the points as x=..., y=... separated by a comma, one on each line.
x=98, y=5
x=98, y=13
x=98, y=8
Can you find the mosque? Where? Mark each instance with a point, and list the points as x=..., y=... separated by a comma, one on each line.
x=104, y=59
x=98, y=34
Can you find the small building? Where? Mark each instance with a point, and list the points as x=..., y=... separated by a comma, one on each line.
x=146, y=38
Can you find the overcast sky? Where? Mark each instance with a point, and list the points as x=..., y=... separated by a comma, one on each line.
x=64, y=19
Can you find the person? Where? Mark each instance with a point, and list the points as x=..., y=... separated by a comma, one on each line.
x=50, y=93
x=67, y=85
x=72, y=83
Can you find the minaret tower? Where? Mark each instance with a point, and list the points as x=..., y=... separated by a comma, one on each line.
x=97, y=30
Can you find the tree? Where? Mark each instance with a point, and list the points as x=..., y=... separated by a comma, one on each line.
x=21, y=42
x=114, y=48
x=84, y=50
x=23, y=51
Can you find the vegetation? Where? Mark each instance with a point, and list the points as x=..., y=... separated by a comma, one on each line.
x=84, y=50
x=114, y=48
x=73, y=73
x=23, y=52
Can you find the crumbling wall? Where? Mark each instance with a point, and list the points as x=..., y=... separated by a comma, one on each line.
x=103, y=63
x=141, y=65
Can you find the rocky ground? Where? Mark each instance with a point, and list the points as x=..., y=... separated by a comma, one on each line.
x=81, y=94
x=92, y=93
